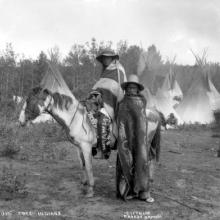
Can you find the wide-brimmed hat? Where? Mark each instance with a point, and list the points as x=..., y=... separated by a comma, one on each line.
x=132, y=79
x=107, y=53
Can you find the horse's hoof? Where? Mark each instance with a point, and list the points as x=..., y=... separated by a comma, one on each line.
x=84, y=182
x=150, y=199
x=89, y=193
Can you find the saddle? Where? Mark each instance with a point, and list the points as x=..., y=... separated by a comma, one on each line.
x=93, y=104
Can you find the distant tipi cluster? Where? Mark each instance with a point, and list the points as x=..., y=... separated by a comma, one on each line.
x=197, y=105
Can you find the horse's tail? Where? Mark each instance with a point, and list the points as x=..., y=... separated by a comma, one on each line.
x=155, y=144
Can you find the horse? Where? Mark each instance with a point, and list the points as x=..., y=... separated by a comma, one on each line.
x=72, y=115
x=155, y=121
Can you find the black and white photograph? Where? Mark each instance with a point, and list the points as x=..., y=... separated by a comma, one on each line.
x=109, y=109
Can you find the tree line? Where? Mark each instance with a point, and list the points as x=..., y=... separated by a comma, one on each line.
x=80, y=69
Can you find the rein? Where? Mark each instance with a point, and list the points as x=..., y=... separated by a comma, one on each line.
x=74, y=115
x=46, y=109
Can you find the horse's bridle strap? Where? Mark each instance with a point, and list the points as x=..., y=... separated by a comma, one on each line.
x=46, y=108
x=74, y=114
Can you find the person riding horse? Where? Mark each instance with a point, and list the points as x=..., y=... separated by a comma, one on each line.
x=109, y=91
x=132, y=168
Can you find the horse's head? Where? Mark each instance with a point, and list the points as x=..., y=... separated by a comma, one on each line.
x=37, y=102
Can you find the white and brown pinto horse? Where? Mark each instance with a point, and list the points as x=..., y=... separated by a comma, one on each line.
x=72, y=115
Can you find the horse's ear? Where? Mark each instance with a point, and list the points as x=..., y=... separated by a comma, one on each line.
x=46, y=92
x=36, y=90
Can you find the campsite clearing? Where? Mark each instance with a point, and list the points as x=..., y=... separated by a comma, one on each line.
x=186, y=182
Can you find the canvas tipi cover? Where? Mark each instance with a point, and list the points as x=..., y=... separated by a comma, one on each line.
x=161, y=103
x=213, y=94
x=164, y=99
x=54, y=82
x=195, y=106
x=149, y=97
x=170, y=89
x=165, y=105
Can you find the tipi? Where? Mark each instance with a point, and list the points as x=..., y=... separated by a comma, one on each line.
x=54, y=82
x=213, y=94
x=170, y=88
x=165, y=105
x=151, y=102
x=196, y=106
x=168, y=95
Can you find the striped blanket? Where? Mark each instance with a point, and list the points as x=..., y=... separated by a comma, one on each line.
x=109, y=85
x=111, y=94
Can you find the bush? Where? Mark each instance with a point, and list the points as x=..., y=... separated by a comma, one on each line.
x=11, y=184
x=9, y=110
x=195, y=126
x=9, y=149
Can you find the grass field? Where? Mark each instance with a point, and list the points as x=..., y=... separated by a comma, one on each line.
x=40, y=178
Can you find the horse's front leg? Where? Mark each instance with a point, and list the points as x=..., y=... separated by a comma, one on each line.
x=84, y=177
x=87, y=150
x=152, y=170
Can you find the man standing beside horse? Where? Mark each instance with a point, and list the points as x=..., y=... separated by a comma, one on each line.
x=133, y=167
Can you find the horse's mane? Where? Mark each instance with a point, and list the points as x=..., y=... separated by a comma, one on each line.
x=60, y=100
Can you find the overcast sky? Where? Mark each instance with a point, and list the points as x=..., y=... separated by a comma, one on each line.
x=174, y=26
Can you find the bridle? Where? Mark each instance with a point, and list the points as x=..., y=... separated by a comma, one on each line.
x=31, y=112
x=25, y=109
x=48, y=111
x=74, y=114
x=46, y=108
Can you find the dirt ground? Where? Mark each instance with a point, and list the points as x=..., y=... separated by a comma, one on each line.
x=186, y=186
